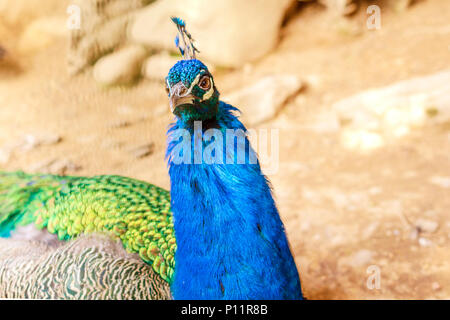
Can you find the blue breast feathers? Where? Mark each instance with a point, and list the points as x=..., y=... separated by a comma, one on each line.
x=231, y=243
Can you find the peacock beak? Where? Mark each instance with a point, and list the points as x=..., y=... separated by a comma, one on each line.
x=179, y=95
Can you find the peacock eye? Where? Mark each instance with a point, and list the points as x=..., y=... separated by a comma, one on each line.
x=167, y=90
x=205, y=83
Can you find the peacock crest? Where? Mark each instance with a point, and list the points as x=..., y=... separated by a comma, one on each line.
x=188, y=49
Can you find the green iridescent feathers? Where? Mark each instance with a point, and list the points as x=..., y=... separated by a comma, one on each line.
x=133, y=211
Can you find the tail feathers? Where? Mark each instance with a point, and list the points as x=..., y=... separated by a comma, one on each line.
x=18, y=191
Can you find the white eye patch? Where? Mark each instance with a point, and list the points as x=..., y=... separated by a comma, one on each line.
x=196, y=80
x=210, y=92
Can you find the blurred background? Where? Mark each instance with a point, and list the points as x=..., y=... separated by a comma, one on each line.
x=360, y=91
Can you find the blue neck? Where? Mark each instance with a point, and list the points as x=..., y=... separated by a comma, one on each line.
x=231, y=242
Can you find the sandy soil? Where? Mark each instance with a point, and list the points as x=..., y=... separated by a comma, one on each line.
x=343, y=211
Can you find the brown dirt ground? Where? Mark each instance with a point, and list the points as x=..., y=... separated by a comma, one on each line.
x=334, y=203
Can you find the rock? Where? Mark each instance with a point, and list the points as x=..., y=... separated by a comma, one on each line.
x=443, y=182
x=143, y=151
x=436, y=286
x=411, y=115
x=401, y=5
x=393, y=207
x=325, y=122
x=346, y=27
x=247, y=69
x=360, y=120
x=120, y=124
x=370, y=230
x=157, y=66
x=111, y=144
x=29, y=142
x=358, y=259
x=63, y=167
x=55, y=166
x=88, y=48
x=362, y=140
x=393, y=111
x=406, y=98
x=103, y=29
x=414, y=234
x=42, y=32
x=373, y=191
x=425, y=225
x=33, y=141
x=264, y=99
x=340, y=7
x=125, y=110
x=227, y=33
x=16, y=12
x=424, y=242
x=121, y=67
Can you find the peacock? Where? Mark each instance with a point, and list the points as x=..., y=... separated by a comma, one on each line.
x=216, y=235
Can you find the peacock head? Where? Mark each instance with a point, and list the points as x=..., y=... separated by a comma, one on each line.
x=189, y=84
x=191, y=90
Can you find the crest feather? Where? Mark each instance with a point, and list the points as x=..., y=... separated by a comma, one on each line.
x=188, y=50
